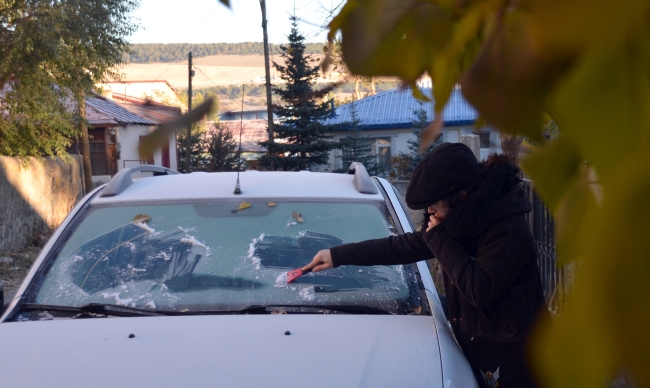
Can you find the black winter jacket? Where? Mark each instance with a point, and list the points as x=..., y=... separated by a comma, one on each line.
x=490, y=273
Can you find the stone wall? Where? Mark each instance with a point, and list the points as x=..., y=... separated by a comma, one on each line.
x=35, y=197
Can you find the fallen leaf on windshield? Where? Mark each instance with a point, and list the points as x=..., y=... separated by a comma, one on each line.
x=416, y=310
x=272, y=204
x=244, y=205
x=141, y=219
x=275, y=312
x=297, y=217
x=185, y=310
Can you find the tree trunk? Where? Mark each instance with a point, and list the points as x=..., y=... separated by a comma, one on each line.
x=357, y=93
x=85, y=143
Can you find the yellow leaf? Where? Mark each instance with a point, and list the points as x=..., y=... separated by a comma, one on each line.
x=417, y=93
x=161, y=135
x=553, y=168
x=141, y=219
x=508, y=83
x=602, y=23
x=448, y=64
x=297, y=216
x=575, y=351
x=430, y=133
x=244, y=205
x=605, y=323
x=572, y=216
x=392, y=37
x=562, y=181
x=603, y=104
x=620, y=253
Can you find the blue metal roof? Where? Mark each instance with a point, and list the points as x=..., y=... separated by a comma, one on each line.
x=395, y=109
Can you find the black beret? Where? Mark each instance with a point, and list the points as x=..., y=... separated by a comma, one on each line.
x=443, y=172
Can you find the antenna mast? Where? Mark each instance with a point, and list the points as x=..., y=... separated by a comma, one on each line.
x=241, y=127
x=188, y=141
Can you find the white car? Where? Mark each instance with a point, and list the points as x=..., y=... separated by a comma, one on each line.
x=175, y=281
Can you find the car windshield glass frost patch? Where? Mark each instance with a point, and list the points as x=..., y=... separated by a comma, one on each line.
x=222, y=256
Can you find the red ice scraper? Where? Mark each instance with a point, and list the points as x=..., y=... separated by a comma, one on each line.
x=296, y=273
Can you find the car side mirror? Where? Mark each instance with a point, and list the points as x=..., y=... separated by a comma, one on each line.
x=2, y=298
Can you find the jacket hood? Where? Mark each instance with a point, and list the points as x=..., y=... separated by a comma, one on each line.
x=496, y=195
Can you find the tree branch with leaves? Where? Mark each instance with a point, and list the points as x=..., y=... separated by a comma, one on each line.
x=585, y=64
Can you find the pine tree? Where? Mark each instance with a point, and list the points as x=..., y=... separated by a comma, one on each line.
x=402, y=165
x=197, y=147
x=221, y=149
x=419, y=123
x=357, y=148
x=300, y=132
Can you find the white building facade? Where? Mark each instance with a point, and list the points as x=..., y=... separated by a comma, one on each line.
x=116, y=132
x=387, y=120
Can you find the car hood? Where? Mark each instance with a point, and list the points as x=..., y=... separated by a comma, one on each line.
x=234, y=350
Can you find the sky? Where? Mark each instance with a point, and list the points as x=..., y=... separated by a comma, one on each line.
x=209, y=21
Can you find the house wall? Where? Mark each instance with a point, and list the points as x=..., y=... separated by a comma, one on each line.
x=128, y=139
x=399, y=142
x=35, y=198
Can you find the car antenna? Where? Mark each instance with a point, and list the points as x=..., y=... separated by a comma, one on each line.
x=241, y=126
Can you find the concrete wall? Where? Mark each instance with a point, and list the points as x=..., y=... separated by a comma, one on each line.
x=35, y=198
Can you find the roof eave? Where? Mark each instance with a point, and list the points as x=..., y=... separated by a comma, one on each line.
x=406, y=125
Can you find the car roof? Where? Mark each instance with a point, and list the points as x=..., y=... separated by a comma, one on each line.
x=254, y=184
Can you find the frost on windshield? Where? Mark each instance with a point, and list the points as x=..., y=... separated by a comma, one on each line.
x=222, y=256
x=131, y=254
x=133, y=258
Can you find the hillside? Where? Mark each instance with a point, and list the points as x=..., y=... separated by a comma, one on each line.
x=211, y=70
x=225, y=72
x=173, y=52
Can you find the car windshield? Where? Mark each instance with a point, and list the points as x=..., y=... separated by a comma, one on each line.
x=222, y=256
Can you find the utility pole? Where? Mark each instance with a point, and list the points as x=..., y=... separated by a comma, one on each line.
x=84, y=143
x=267, y=67
x=188, y=142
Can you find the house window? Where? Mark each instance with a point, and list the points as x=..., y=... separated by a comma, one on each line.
x=484, y=139
x=383, y=155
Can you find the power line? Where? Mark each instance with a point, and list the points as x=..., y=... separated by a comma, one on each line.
x=163, y=73
x=223, y=91
x=201, y=25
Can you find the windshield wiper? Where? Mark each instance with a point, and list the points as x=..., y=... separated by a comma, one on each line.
x=96, y=308
x=268, y=309
x=124, y=311
x=121, y=311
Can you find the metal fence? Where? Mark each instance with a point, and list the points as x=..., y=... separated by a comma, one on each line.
x=542, y=226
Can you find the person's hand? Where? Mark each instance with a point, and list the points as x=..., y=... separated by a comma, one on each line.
x=433, y=222
x=322, y=260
